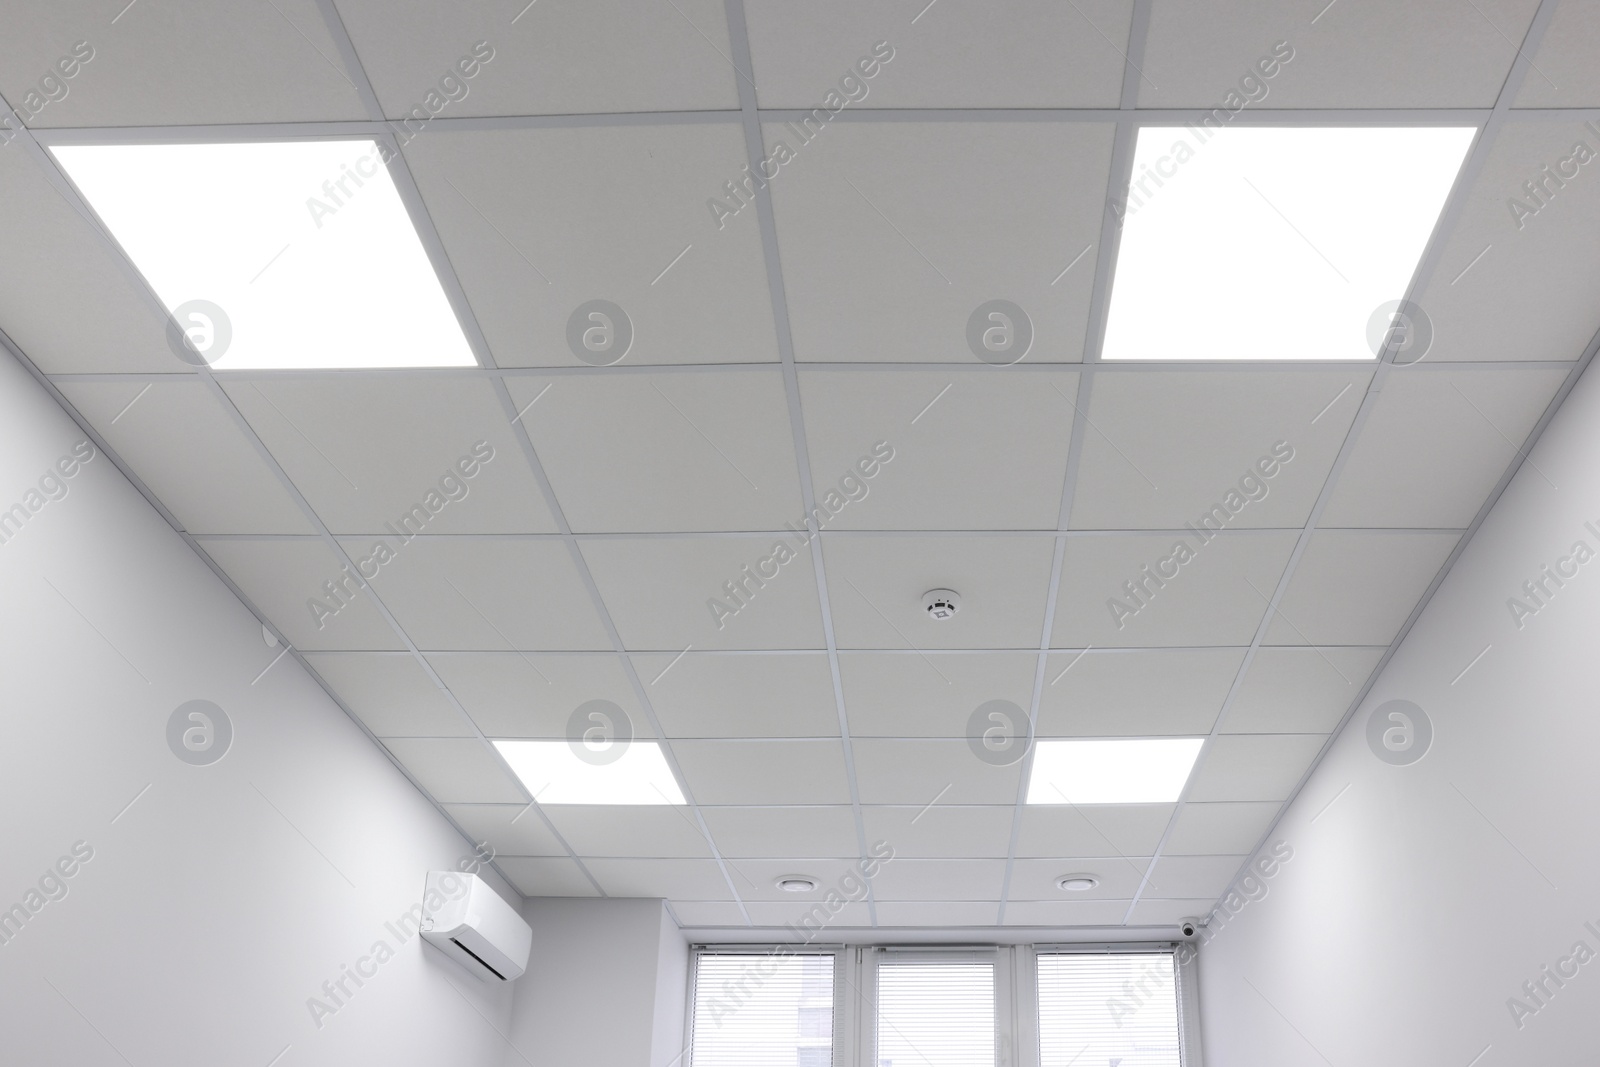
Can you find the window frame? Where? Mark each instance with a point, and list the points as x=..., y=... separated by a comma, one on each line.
x=870, y=957
x=855, y=986
x=838, y=952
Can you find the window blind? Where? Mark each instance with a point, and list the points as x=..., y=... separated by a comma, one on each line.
x=936, y=1014
x=1108, y=1009
x=760, y=1009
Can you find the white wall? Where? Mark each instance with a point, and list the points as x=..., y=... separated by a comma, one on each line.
x=605, y=986
x=223, y=898
x=1420, y=898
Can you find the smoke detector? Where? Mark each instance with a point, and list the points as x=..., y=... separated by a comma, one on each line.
x=796, y=883
x=941, y=604
x=1077, y=883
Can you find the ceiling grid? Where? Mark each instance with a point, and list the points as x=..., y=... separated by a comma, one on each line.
x=852, y=716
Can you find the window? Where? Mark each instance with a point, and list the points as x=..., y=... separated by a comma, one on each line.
x=762, y=1009
x=1104, y=1008
x=936, y=1013
x=1128, y=1005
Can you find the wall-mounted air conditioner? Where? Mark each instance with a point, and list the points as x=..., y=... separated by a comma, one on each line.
x=466, y=918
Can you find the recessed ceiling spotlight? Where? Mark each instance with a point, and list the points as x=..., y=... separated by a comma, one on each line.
x=1077, y=883
x=797, y=884
x=941, y=604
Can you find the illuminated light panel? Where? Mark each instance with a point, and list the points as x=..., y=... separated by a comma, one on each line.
x=554, y=773
x=1139, y=771
x=1273, y=243
x=305, y=246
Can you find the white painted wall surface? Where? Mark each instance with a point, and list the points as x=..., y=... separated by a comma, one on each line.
x=1420, y=898
x=218, y=898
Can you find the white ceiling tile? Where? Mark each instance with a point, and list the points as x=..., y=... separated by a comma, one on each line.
x=540, y=223
x=1217, y=598
x=1142, y=692
x=659, y=592
x=961, y=879
x=688, y=878
x=519, y=694
x=938, y=912
x=942, y=831
x=708, y=913
x=757, y=879
x=391, y=693
x=546, y=876
x=1543, y=260
x=968, y=451
x=778, y=832
x=374, y=453
x=1252, y=766
x=1030, y=54
x=184, y=446
x=1435, y=444
x=1193, y=877
x=1357, y=587
x=901, y=695
x=1148, y=912
x=1219, y=829
x=663, y=831
x=1169, y=449
x=657, y=452
x=932, y=229
x=766, y=913
x=741, y=696
x=1299, y=690
x=1424, y=53
x=189, y=65
x=1118, y=877
x=764, y=772
x=52, y=256
x=787, y=831
x=1054, y=830
x=605, y=55
x=1562, y=73
x=510, y=829
x=875, y=588
x=919, y=772
x=457, y=771
x=1065, y=912
x=281, y=577
x=453, y=594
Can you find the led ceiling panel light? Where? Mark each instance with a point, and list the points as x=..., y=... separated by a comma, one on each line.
x=282, y=255
x=561, y=772
x=1269, y=243
x=1139, y=771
